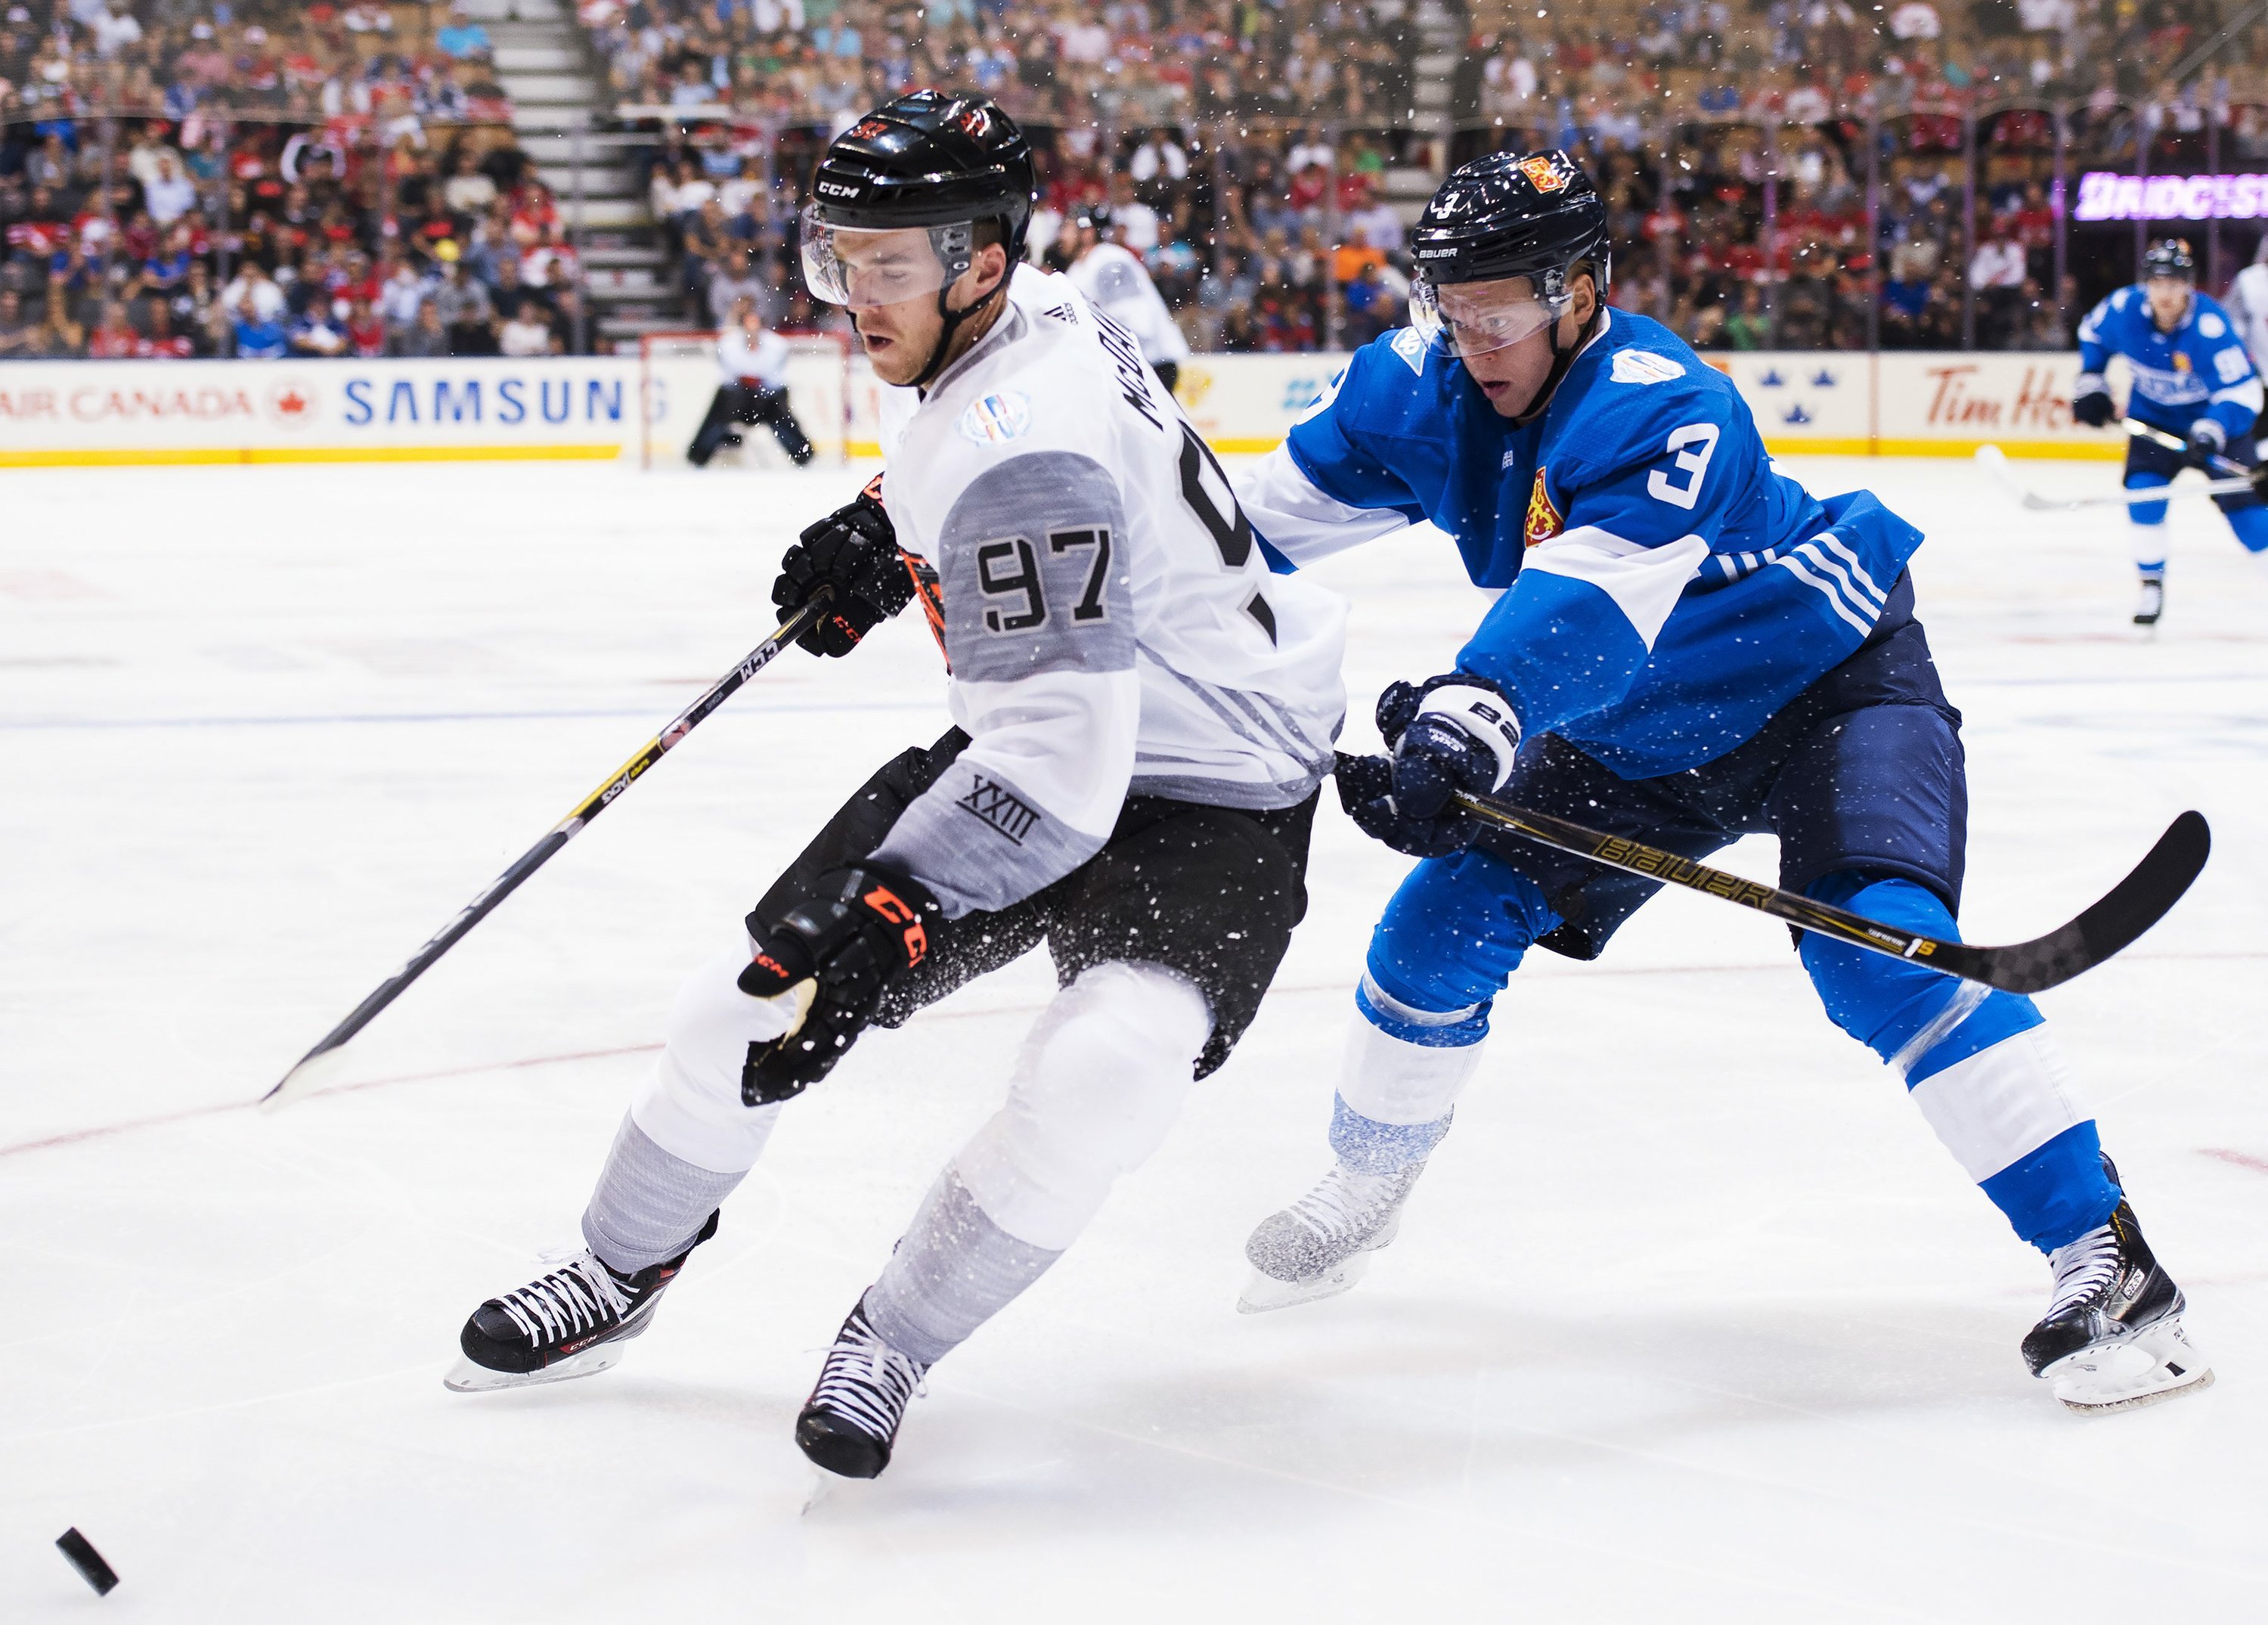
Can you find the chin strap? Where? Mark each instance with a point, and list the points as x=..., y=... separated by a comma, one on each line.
x=952, y=319
x=1561, y=360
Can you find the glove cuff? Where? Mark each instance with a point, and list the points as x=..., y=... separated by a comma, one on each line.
x=1482, y=712
x=2088, y=383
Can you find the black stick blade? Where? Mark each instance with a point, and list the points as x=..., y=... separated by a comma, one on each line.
x=88, y=1562
x=2129, y=909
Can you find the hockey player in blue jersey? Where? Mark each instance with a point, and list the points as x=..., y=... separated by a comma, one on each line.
x=1690, y=646
x=2192, y=378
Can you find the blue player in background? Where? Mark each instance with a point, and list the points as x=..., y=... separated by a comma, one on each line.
x=1689, y=647
x=2192, y=378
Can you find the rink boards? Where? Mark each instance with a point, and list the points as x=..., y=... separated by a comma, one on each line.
x=90, y=414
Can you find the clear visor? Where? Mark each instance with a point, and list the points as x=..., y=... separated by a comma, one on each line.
x=863, y=269
x=1475, y=318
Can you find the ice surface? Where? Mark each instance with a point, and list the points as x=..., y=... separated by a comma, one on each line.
x=1692, y=1320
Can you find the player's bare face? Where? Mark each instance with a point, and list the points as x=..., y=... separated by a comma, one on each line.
x=2169, y=301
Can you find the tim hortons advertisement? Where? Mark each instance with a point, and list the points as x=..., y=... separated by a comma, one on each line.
x=94, y=413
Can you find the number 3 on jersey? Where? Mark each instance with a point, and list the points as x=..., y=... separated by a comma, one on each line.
x=1692, y=444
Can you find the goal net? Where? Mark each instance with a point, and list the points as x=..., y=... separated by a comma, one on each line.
x=678, y=377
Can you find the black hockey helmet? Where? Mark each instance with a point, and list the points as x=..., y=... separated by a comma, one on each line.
x=927, y=161
x=1511, y=214
x=1529, y=221
x=2169, y=256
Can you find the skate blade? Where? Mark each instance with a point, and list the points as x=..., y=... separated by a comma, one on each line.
x=467, y=1378
x=1264, y=1292
x=2157, y=1363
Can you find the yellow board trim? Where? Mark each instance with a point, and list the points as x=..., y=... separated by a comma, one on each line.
x=137, y=456
x=2084, y=451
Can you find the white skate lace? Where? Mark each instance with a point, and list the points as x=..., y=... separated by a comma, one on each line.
x=581, y=1293
x=1343, y=1203
x=2084, y=1267
x=867, y=1382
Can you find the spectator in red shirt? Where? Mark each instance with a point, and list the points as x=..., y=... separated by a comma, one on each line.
x=365, y=333
x=115, y=339
x=164, y=345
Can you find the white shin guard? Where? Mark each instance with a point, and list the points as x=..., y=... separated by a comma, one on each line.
x=1099, y=1081
x=689, y=1102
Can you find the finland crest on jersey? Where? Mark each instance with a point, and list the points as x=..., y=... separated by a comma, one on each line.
x=1666, y=588
x=1110, y=620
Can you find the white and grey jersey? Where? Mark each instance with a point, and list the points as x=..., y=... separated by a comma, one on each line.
x=1111, y=625
x=2248, y=304
x=1114, y=280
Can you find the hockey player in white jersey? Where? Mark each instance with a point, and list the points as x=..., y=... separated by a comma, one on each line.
x=1113, y=279
x=1144, y=715
x=2247, y=307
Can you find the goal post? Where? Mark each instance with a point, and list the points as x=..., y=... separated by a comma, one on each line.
x=678, y=377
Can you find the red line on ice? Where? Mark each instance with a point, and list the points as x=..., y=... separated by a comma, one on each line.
x=2243, y=1159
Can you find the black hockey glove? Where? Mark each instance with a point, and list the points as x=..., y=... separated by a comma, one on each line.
x=2208, y=444
x=854, y=551
x=2092, y=409
x=1455, y=733
x=859, y=929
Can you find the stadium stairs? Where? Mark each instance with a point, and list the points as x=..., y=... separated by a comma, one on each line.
x=560, y=113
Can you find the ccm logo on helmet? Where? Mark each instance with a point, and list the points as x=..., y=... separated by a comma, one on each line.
x=836, y=188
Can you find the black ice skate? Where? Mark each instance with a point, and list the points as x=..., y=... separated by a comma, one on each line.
x=851, y=1419
x=2151, y=604
x=571, y=1321
x=1321, y=1245
x=2112, y=1337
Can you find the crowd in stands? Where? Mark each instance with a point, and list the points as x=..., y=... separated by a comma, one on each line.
x=330, y=179
x=1256, y=197
x=1059, y=62
x=397, y=66
x=278, y=240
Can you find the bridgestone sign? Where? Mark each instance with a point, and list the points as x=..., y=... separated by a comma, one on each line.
x=2104, y=195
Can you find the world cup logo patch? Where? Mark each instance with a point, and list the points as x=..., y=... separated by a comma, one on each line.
x=1544, y=521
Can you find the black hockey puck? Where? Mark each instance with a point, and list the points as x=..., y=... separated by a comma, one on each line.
x=88, y=1562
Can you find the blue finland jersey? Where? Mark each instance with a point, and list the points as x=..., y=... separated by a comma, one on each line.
x=1667, y=589
x=2199, y=369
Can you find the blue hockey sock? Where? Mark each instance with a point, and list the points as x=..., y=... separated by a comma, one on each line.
x=1456, y=930
x=2146, y=512
x=2251, y=528
x=1976, y=1061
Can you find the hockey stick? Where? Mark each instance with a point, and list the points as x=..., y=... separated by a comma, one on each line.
x=2129, y=909
x=1996, y=460
x=319, y=1063
x=2171, y=442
